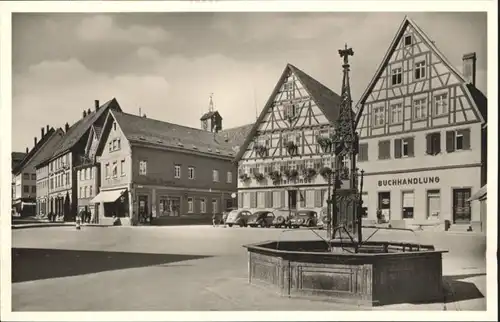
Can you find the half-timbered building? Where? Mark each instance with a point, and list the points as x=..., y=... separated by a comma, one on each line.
x=422, y=144
x=285, y=161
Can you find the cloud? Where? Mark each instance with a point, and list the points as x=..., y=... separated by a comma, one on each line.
x=102, y=28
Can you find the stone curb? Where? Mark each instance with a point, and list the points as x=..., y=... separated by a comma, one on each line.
x=42, y=225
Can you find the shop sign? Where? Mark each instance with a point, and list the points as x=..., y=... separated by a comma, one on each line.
x=408, y=181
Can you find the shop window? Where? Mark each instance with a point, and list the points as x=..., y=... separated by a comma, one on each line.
x=433, y=204
x=408, y=204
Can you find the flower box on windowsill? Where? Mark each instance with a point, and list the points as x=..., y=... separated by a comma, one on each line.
x=258, y=176
x=260, y=149
x=325, y=172
x=309, y=173
x=291, y=174
x=275, y=176
x=244, y=177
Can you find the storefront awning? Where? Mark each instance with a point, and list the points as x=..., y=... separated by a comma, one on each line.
x=480, y=194
x=108, y=196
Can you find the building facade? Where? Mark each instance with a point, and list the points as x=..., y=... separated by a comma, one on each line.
x=422, y=145
x=286, y=159
x=25, y=193
x=150, y=167
x=70, y=153
x=88, y=175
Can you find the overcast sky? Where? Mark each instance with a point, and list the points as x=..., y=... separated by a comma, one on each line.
x=169, y=63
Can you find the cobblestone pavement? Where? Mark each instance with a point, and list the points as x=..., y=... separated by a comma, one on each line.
x=193, y=268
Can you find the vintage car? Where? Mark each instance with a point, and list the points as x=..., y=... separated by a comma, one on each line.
x=226, y=213
x=281, y=218
x=261, y=218
x=304, y=218
x=238, y=217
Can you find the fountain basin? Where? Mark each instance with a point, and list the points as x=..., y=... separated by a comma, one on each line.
x=380, y=273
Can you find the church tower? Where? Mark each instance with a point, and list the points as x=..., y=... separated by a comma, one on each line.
x=211, y=121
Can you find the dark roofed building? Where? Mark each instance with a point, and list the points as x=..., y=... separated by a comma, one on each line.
x=70, y=153
x=24, y=182
x=171, y=172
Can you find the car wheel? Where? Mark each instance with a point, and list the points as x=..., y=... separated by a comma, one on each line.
x=230, y=225
x=262, y=224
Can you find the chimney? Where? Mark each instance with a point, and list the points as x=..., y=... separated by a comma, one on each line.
x=96, y=102
x=47, y=129
x=43, y=132
x=36, y=140
x=88, y=111
x=27, y=150
x=66, y=127
x=469, y=68
x=84, y=113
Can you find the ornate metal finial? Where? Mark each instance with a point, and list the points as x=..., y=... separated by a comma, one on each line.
x=345, y=53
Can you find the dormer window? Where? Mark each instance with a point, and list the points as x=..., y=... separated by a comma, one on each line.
x=408, y=40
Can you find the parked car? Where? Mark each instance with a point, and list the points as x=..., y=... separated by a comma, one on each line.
x=282, y=217
x=304, y=218
x=238, y=217
x=262, y=218
x=226, y=213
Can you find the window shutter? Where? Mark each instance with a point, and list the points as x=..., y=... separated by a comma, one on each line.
x=253, y=199
x=302, y=194
x=429, y=142
x=397, y=148
x=380, y=150
x=450, y=141
x=317, y=198
x=437, y=142
x=411, y=147
x=269, y=199
x=466, y=134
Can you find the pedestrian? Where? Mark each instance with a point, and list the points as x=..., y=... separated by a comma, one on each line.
x=214, y=218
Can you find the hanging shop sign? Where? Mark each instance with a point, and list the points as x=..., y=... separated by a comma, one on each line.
x=408, y=181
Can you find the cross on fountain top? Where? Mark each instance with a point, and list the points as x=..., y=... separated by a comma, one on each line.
x=345, y=53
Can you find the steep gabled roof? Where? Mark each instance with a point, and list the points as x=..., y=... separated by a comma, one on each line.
x=392, y=47
x=38, y=150
x=145, y=131
x=77, y=130
x=236, y=136
x=326, y=100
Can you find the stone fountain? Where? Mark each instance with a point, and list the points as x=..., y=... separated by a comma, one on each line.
x=344, y=267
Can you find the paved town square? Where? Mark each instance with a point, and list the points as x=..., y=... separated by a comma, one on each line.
x=194, y=268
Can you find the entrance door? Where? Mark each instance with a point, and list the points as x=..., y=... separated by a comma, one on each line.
x=143, y=208
x=461, y=207
x=292, y=199
x=384, y=204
